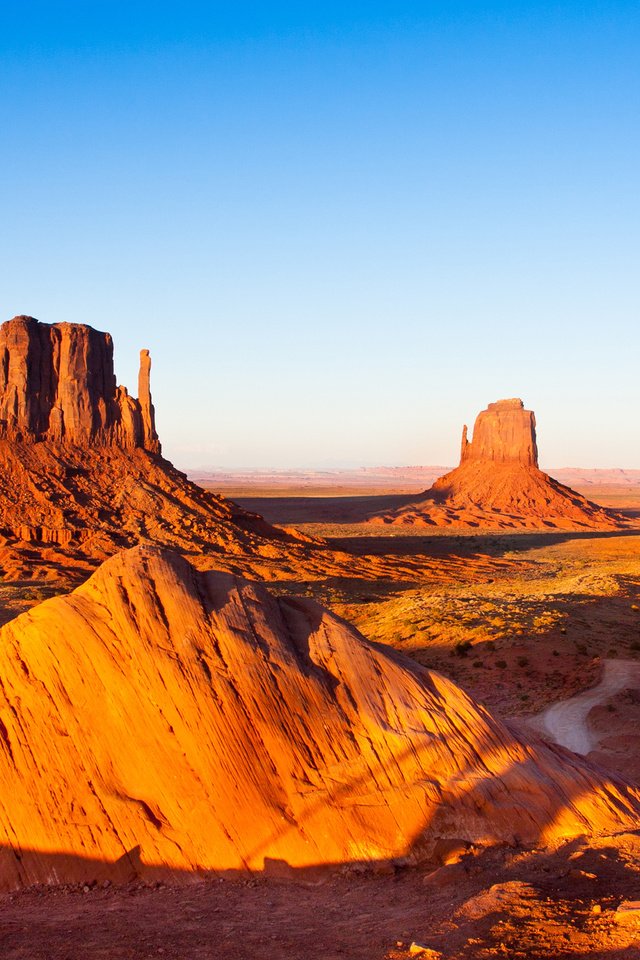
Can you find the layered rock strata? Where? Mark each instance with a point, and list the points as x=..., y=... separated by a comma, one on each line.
x=162, y=721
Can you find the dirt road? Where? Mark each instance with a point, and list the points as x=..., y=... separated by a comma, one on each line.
x=566, y=722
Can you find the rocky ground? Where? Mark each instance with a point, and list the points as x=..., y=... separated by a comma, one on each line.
x=502, y=903
x=521, y=621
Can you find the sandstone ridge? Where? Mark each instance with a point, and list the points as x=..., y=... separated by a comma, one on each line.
x=162, y=720
x=57, y=383
x=498, y=484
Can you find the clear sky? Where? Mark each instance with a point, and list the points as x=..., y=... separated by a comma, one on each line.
x=341, y=228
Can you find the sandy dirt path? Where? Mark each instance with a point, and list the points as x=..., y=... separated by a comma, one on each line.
x=566, y=722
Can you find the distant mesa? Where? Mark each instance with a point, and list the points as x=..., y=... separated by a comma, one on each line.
x=81, y=474
x=161, y=719
x=503, y=433
x=498, y=484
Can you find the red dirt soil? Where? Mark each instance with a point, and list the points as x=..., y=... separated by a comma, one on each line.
x=506, y=904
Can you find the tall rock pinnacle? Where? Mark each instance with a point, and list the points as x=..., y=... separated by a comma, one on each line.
x=57, y=384
x=150, y=437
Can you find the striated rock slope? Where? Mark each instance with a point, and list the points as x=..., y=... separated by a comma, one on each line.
x=498, y=484
x=160, y=719
x=80, y=468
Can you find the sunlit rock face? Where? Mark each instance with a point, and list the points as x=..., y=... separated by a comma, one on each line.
x=503, y=433
x=161, y=719
x=498, y=484
x=81, y=474
x=57, y=383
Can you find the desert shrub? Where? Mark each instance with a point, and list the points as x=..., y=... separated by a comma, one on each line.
x=35, y=593
x=581, y=648
x=462, y=648
x=501, y=663
x=522, y=661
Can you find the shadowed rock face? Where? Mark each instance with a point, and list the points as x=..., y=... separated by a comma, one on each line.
x=57, y=384
x=503, y=433
x=193, y=721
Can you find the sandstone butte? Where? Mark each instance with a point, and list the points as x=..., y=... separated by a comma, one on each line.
x=498, y=484
x=81, y=471
x=163, y=721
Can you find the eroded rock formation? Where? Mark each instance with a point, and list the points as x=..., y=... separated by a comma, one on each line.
x=160, y=719
x=503, y=433
x=81, y=474
x=498, y=484
x=57, y=384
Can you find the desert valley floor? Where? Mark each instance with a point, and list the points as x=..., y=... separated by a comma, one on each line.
x=523, y=622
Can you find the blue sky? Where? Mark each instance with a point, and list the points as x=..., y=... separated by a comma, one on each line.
x=340, y=228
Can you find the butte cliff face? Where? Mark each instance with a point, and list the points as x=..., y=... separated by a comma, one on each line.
x=498, y=484
x=57, y=384
x=81, y=474
x=503, y=433
x=158, y=718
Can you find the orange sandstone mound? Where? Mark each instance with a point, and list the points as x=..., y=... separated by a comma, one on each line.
x=498, y=484
x=163, y=721
x=81, y=474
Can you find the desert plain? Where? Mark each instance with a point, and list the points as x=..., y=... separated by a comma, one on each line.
x=367, y=714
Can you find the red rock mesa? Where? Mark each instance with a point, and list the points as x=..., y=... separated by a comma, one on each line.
x=161, y=719
x=499, y=484
x=80, y=468
x=503, y=433
x=57, y=384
